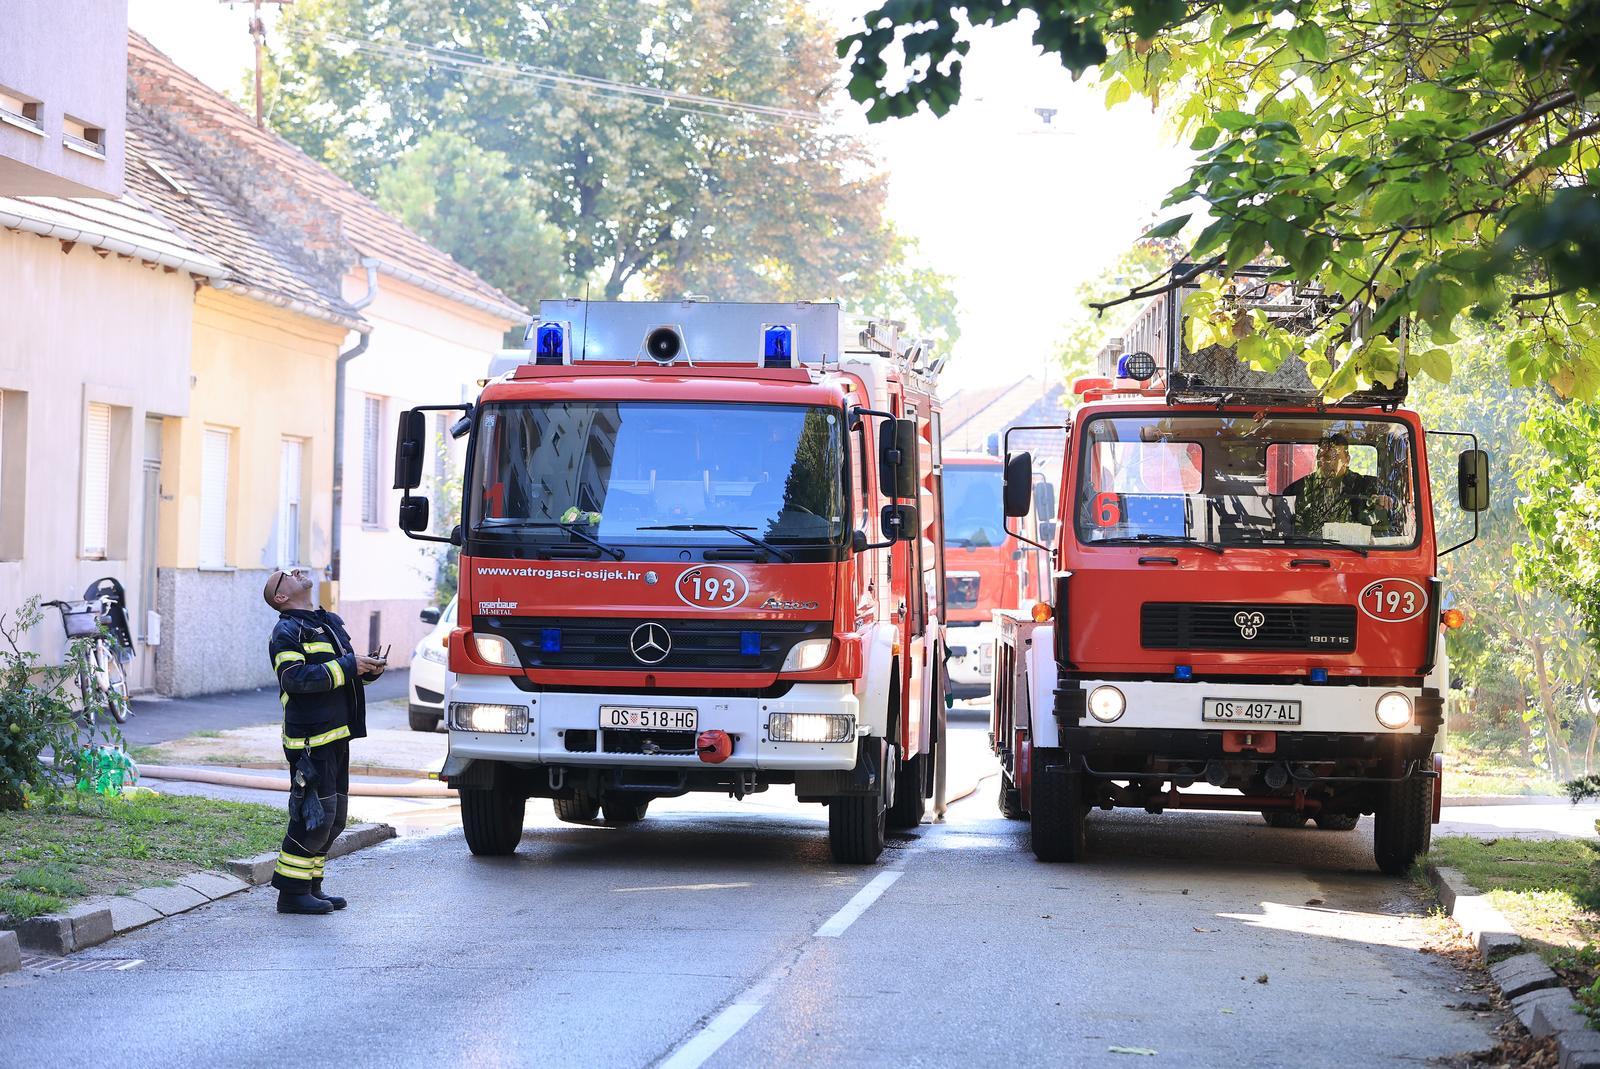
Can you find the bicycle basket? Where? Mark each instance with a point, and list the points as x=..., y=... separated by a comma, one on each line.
x=82, y=620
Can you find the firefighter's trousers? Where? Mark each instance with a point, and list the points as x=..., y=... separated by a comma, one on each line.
x=305, y=851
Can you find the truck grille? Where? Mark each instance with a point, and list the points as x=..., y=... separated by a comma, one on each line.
x=1170, y=625
x=697, y=645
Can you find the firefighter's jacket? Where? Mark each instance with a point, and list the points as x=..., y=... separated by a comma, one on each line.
x=321, y=694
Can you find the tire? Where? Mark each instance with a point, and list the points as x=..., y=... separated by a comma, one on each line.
x=909, y=802
x=1337, y=821
x=116, y=687
x=1059, y=813
x=422, y=720
x=579, y=809
x=1402, y=828
x=856, y=822
x=1010, y=800
x=1284, y=818
x=624, y=808
x=492, y=820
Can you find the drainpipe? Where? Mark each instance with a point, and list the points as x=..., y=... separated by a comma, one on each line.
x=338, y=417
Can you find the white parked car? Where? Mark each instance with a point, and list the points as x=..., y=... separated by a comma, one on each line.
x=428, y=663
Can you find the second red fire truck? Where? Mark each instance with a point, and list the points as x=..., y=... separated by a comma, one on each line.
x=701, y=550
x=1246, y=613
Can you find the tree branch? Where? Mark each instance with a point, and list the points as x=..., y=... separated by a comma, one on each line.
x=1150, y=289
x=1494, y=130
x=1523, y=298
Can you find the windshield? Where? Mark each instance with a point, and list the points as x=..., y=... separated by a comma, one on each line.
x=1238, y=480
x=613, y=470
x=972, y=506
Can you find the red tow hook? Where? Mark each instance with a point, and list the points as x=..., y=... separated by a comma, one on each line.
x=714, y=747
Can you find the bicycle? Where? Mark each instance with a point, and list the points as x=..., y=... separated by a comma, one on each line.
x=102, y=620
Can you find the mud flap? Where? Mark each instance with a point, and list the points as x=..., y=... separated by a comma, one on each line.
x=865, y=778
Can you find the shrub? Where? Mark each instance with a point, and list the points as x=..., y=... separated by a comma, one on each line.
x=39, y=711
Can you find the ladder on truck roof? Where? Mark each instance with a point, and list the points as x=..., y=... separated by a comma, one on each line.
x=698, y=332
x=1216, y=375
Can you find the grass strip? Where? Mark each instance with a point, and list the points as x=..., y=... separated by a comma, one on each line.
x=53, y=854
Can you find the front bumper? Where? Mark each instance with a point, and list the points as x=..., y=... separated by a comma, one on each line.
x=1324, y=709
x=971, y=648
x=553, y=715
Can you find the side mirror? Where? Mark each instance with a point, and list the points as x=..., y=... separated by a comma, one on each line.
x=1018, y=483
x=1472, y=480
x=413, y=514
x=410, y=444
x=429, y=615
x=899, y=522
x=897, y=457
x=1047, y=530
x=460, y=427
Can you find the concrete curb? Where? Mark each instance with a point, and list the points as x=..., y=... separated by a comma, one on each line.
x=95, y=920
x=1540, y=1003
x=1504, y=799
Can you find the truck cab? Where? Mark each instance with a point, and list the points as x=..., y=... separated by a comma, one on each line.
x=1245, y=614
x=699, y=552
x=983, y=567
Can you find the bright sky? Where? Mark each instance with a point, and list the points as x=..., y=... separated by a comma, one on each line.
x=1017, y=211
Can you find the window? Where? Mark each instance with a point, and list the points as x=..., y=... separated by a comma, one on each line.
x=13, y=471
x=83, y=137
x=290, y=488
x=371, y=466
x=96, y=509
x=20, y=110
x=215, y=460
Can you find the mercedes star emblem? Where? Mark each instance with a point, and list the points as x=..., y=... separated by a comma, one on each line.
x=650, y=643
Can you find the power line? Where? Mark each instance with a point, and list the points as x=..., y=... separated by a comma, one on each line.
x=568, y=83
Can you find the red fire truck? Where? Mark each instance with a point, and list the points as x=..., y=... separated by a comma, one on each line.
x=1245, y=614
x=988, y=567
x=700, y=551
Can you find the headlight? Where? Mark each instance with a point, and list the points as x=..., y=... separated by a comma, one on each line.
x=807, y=656
x=1394, y=710
x=1106, y=704
x=811, y=727
x=502, y=719
x=436, y=654
x=492, y=649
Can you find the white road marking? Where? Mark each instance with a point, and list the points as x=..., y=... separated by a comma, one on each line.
x=854, y=908
x=718, y=1031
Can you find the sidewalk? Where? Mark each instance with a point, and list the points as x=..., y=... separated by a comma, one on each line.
x=157, y=720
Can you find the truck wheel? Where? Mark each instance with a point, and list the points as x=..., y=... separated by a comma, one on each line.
x=422, y=720
x=1337, y=821
x=1059, y=814
x=909, y=803
x=579, y=809
x=1010, y=800
x=1284, y=818
x=492, y=819
x=624, y=808
x=1402, y=828
x=855, y=828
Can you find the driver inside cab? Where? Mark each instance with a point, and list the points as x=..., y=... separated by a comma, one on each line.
x=1335, y=494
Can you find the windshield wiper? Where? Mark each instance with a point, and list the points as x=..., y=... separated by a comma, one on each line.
x=1176, y=540
x=570, y=528
x=742, y=532
x=1303, y=540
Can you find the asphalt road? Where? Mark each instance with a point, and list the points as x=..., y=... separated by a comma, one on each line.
x=721, y=933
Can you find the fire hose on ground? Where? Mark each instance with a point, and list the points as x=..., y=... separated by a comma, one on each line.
x=358, y=789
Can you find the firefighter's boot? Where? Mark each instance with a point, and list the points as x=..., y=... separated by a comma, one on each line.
x=308, y=905
x=334, y=900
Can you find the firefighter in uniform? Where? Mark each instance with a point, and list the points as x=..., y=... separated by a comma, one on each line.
x=320, y=680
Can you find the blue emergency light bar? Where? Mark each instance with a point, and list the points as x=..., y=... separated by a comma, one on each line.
x=550, y=344
x=777, y=346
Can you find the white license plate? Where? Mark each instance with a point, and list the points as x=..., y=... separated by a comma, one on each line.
x=1249, y=711
x=633, y=718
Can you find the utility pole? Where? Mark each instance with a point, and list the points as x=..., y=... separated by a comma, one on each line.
x=258, y=33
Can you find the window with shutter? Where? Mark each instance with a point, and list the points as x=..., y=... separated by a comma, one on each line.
x=215, y=460
x=371, y=437
x=97, y=481
x=290, y=489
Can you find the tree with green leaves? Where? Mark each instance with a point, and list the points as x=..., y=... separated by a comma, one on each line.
x=1416, y=159
x=1088, y=329
x=668, y=148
